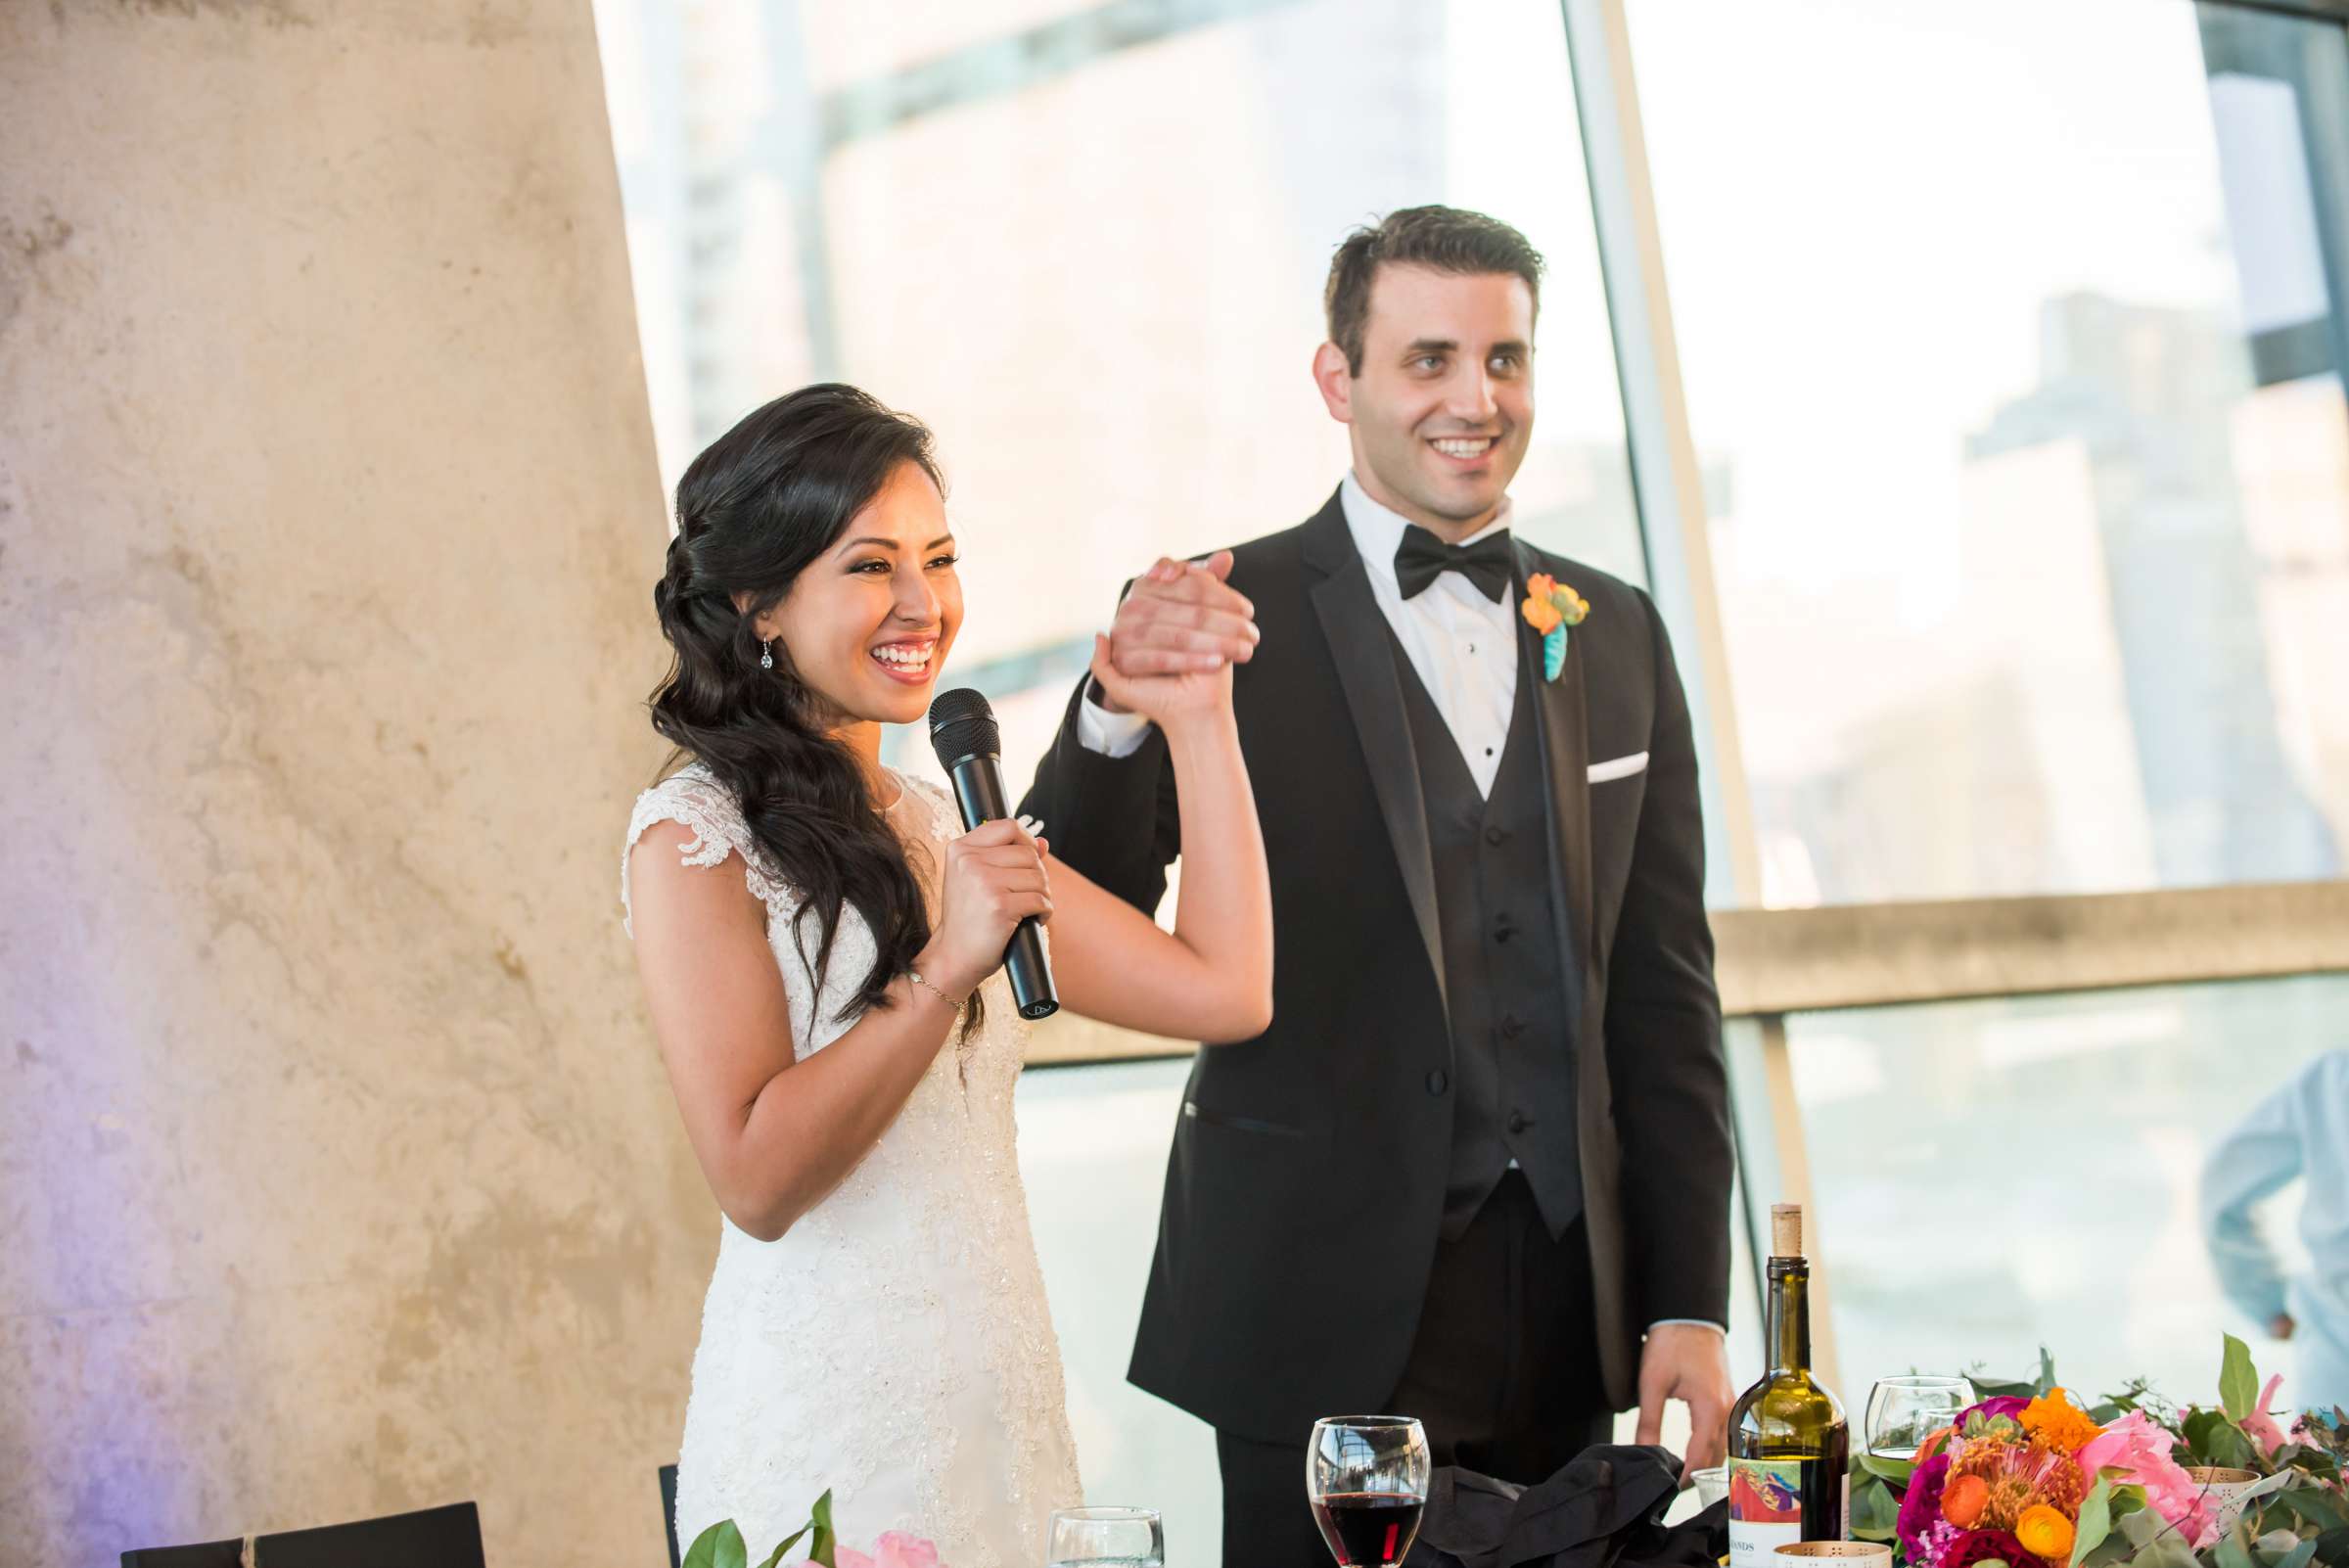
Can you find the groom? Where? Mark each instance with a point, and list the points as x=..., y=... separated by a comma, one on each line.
x=1478, y=1169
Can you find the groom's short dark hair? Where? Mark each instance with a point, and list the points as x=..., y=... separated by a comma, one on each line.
x=1447, y=239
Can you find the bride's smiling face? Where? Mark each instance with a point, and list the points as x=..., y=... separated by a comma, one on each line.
x=868, y=624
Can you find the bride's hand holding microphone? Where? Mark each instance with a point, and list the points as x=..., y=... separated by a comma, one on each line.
x=993, y=878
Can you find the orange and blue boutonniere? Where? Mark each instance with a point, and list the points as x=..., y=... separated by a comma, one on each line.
x=1550, y=607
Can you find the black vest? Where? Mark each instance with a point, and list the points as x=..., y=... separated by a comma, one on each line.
x=1512, y=1032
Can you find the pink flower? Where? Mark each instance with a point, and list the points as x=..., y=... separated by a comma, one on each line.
x=2139, y=1449
x=1921, y=1504
x=2261, y=1424
x=1934, y=1545
x=897, y=1550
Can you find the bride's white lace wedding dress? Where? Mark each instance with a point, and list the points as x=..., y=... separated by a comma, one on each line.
x=895, y=1345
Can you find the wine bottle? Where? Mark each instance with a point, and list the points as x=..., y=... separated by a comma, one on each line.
x=1789, y=1450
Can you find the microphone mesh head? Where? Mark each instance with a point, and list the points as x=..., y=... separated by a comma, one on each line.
x=962, y=724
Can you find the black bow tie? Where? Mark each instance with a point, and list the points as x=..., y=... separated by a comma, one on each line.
x=1421, y=557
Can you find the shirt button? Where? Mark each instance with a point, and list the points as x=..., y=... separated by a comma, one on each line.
x=1494, y=835
x=1519, y=1121
x=1436, y=1082
x=1511, y=1026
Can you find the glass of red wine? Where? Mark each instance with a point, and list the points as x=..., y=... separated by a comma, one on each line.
x=1367, y=1477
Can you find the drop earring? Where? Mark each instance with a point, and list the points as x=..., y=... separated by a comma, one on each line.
x=766, y=654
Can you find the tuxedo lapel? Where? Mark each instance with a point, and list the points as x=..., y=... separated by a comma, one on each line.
x=1362, y=646
x=1564, y=719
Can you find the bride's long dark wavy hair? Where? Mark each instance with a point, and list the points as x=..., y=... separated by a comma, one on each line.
x=763, y=503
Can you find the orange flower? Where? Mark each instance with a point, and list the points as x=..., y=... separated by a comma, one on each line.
x=1541, y=586
x=2063, y=1424
x=1540, y=612
x=1933, y=1442
x=2045, y=1534
x=1963, y=1499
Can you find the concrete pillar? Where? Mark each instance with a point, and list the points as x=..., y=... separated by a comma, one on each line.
x=338, y=1174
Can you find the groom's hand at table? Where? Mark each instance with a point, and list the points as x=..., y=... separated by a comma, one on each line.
x=1689, y=1363
x=1180, y=618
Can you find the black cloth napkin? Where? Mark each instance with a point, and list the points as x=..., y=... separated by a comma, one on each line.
x=1604, y=1511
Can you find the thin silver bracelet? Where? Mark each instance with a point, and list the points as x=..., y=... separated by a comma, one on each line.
x=915, y=975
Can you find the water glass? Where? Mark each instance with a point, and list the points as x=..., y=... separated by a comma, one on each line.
x=1902, y=1412
x=1105, y=1538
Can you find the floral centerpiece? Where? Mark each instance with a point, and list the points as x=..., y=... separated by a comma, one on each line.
x=721, y=1546
x=2030, y=1478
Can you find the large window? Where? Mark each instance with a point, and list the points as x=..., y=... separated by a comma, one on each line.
x=1086, y=244
x=2014, y=333
x=1997, y=1175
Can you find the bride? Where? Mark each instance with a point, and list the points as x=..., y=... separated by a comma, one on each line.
x=819, y=946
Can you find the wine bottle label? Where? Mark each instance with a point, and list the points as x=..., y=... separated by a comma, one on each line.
x=1766, y=1509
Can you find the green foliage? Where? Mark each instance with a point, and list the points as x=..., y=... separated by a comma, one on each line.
x=2137, y=1394
x=1875, y=1507
x=1896, y=1471
x=719, y=1546
x=2157, y=1544
x=2238, y=1379
x=2096, y=1521
x=2305, y=1508
x=776, y=1557
x=2211, y=1437
x=1992, y=1387
x=821, y=1520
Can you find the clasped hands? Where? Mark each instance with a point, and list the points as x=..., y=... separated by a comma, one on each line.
x=1177, y=635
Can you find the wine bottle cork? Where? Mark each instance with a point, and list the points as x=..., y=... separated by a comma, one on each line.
x=1785, y=1230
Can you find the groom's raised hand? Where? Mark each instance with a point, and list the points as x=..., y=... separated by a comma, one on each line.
x=1181, y=618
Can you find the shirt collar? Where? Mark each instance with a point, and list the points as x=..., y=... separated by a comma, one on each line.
x=1378, y=531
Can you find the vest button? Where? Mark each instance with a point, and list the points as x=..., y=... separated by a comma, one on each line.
x=1511, y=1026
x=1436, y=1082
x=1494, y=835
x=1519, y=1121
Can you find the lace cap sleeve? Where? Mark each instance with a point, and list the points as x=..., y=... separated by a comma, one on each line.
x=697, y=802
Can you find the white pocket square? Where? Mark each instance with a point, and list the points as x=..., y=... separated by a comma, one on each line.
x=1620, y=767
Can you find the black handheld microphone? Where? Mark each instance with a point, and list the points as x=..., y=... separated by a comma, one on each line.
x=970, y=748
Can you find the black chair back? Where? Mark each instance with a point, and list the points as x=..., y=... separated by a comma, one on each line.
x=432, y=1537
x=204, y=1555
x=668, y=1513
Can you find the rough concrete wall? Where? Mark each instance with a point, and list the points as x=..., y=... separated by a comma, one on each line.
x=336, y=1172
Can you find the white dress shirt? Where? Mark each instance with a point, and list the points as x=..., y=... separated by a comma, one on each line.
x=1461, y=645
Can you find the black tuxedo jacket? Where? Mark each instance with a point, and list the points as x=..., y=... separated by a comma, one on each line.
x=1306, y=1180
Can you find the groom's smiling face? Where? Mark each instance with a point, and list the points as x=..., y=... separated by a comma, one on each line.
x=1442, y=407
